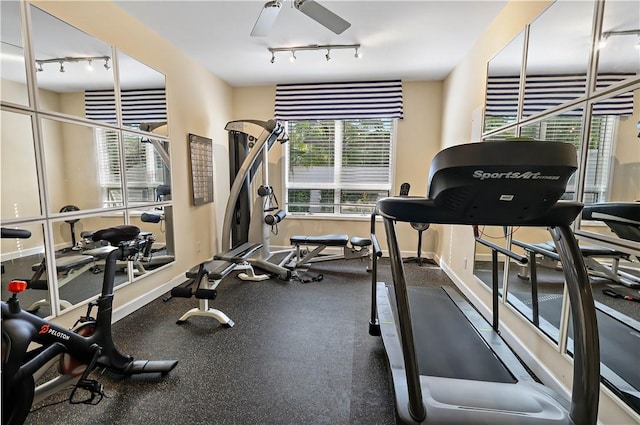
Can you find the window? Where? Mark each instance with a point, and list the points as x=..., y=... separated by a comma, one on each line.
x=568, y=128
x=338, y=166
x=144, y=170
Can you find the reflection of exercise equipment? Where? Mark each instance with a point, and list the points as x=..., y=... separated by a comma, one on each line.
x=547, y=250
x=68, y=267
x=622, y=219
x=444, y=369
x=87, y=347
x=72, y=224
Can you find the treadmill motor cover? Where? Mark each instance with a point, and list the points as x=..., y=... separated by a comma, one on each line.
x=502, y=183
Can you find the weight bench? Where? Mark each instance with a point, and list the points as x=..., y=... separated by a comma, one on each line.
x=359, y=248
x=68, y=267
x=203, y=281
x=240, y=255
x=202, y=285
x=548, y=251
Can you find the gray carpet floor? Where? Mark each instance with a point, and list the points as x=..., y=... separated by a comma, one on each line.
x=298, y=354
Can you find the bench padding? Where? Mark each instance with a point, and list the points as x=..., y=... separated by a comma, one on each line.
x=328, y=240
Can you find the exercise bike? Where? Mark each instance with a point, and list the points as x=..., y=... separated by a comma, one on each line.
x=78, y=352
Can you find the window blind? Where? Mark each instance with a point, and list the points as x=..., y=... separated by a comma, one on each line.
x=338, y=101
x=146, y=105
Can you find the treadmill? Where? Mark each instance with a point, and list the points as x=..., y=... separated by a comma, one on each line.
x=445, y=369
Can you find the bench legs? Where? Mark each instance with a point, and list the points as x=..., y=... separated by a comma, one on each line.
x=204, y=310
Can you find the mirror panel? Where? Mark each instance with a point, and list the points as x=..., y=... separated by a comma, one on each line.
x=564, y=127
x=156, y=227
x=613, y=158
x=68, y=63
x=536, y=291
x=556, y=71
x=12, y=63
x=19, y=185
x=142, y=93
x=83, y=166
x=503, y=83
x=483, y=259
x=79, y=260
x=619, y=55
x=22, y=259
x=146, y=174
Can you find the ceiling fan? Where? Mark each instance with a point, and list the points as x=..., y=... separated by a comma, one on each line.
x=311, y=8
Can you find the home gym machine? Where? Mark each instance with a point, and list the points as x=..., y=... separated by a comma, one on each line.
x=249, y=143
x=444, y=369
x=32, y=345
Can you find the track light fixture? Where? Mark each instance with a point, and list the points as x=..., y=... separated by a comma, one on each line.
x=72, y=59
x=327, y=47
x=608, y=34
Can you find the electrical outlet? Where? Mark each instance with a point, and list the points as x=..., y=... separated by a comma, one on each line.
x=198, y=246
x=465, y=264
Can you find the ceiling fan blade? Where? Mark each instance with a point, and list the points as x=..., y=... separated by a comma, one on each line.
x=267, y=17
x=322, y=15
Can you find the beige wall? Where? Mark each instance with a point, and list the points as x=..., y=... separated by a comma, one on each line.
x=198, y=102
x=418, y=140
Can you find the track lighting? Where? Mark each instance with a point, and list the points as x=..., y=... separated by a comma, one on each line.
x=327, y=47
x=73, y=59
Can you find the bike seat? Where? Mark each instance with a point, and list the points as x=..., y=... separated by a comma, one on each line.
x=116, y=234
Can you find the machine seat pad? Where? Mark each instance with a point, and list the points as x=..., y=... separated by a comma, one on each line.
x=328, y=240
x=586, y=250
x=218, y=269
x=357, y=241
x=69, y=262
x=239, y=253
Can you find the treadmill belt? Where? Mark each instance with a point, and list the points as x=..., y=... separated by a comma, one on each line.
x=447, y=345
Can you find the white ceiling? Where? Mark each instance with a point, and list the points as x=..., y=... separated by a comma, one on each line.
x=408, y=40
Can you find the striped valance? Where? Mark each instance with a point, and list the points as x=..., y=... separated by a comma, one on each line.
x=548, y=91
x=145, y=105
x=338, y=101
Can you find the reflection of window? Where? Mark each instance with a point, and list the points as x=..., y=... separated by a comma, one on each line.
x=144, y=170
x=568, y=129
x=338, y=167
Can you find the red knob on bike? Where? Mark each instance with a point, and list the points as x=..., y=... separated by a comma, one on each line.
x=17, y=286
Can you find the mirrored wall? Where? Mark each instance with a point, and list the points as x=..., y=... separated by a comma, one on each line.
x=84, y=146
x=573, y=76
